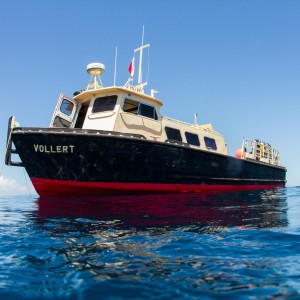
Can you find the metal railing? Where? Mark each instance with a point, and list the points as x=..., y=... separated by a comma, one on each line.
x=260, y=151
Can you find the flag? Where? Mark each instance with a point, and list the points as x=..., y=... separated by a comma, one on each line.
x=131, y=67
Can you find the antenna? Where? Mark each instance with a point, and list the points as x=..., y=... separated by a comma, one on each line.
x=115, y=75
x=143, y=35
x=195, y=119
x=141, y=58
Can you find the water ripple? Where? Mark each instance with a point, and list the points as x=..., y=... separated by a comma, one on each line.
x=209, y=246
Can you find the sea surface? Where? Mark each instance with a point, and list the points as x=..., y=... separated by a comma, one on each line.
x=235, y=245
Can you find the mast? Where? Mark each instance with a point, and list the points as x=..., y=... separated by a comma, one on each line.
x=141, y=58
x=140, y=85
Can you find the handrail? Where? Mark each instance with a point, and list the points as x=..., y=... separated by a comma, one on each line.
x=259, y=150
x=9, y=150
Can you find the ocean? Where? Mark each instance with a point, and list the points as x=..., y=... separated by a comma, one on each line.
x=235, y=245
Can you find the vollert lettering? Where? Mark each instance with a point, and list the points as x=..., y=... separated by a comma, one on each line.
x=54, y=149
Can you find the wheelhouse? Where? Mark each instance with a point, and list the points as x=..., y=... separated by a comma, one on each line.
x=121, y=109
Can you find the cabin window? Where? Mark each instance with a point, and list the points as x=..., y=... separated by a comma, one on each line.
x=107, y=103
x=147, y=111
x=139, y=108
x=210, y=143
x=192, y=139
x=131, y=106
x=66, y=107
x=173, y=134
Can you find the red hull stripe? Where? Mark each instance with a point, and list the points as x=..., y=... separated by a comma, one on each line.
x=51, y=187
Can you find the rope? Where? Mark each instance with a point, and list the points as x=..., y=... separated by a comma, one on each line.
x=27, y=183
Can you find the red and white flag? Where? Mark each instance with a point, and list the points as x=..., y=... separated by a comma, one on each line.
x=131, y=67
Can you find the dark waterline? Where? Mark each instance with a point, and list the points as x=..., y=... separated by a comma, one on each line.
x=242, y=245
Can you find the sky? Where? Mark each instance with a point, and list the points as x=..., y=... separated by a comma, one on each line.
x=235, y=63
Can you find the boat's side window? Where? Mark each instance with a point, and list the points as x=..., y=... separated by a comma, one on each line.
x=192, y=139
x=107, y=103
x=131, y=106
x=66, y=107
x=147, y=111
x=173, y=134
x=139, y=108
x=210, y=143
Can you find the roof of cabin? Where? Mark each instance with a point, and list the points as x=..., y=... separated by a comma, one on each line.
x=88, y=94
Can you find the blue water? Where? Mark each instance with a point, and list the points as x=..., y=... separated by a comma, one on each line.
x=243, y=245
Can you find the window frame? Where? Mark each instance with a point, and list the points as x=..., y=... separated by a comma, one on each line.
x=139, y=108
x=193, y=136
x=64, y=107
x=109, y=98
x=149, y=106
x=210, y=143
x=168, y=131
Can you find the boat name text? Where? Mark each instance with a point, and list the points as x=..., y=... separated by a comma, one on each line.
x=54, y=149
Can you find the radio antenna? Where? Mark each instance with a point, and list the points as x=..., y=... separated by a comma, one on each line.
x=115, y=75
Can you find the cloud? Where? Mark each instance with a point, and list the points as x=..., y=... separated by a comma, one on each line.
x=11, y=187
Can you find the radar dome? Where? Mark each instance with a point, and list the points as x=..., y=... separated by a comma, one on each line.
x=95, y=68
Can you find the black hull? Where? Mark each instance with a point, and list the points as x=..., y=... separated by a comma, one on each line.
x=63, y=161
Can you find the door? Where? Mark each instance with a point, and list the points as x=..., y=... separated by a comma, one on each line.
x=65, y=113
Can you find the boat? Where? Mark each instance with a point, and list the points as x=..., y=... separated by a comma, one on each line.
x=114, y=140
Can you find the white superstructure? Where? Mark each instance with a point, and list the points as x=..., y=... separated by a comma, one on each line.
x=128, y=109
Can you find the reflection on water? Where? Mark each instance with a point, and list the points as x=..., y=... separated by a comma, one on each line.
x=259, y=209
x=180, y=246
